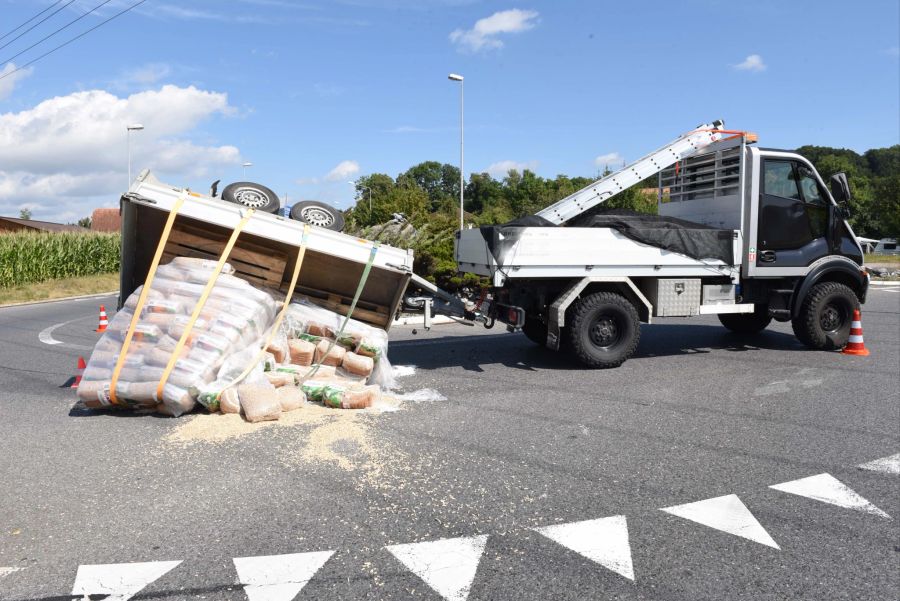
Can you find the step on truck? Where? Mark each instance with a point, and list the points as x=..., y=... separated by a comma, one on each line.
x=746, y=233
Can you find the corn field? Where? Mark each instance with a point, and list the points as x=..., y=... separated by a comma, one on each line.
x=27, y=258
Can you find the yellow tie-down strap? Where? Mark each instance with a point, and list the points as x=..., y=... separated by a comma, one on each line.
x=301, y=253
x=201, y=302
x=142, y=299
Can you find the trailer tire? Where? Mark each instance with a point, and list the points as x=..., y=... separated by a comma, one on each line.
x=255, y=196
x=747, y=323
x=604, y=330
x=535, y=330
x=318, y=213
x=825, y=316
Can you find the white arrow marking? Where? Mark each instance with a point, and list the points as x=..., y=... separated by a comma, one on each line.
x=448, y=565
x=828, y=489
x=888, y=465
x=7, y=571
x=278, y=577
x=728, y=514
x=604, y=541
x=121, y=581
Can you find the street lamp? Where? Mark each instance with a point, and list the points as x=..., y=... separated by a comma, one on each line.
x=128, y=130
x=459, y=78
x=244, y=172
x=355, y=185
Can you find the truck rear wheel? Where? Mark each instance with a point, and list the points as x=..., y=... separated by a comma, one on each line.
x=604, y=329
x=825, y=316
x=747, y=323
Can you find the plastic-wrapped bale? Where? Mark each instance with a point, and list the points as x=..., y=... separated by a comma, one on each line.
x=290, y=397
x=302, y=352
x=329, y=352
x=236, y=316
x=259, y=403
x=358, y=365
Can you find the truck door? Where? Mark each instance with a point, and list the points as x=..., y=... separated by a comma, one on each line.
x=794, y=214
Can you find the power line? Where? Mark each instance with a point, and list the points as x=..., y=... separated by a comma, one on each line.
x=80, y=35
x=46, y=37
x=36, y=24
x=11, y=31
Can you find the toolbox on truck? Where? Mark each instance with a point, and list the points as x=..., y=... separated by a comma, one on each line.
x=265, y=252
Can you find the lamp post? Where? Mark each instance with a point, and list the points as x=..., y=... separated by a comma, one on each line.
x=459, y=78
x=128, y=130
x=244, y=170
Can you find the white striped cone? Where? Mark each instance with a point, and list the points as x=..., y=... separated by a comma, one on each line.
x=104, y=320
x=855, y=344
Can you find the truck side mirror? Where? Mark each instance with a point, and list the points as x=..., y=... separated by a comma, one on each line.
x=840, y=188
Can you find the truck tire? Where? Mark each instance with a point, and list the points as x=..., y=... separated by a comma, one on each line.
x=318, y=213
x=604, y=330
x=535, y=330
x=252, y=195
x=747, y=323
x=825, y=316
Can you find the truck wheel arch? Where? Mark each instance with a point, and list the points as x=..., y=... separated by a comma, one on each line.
x=841, y=271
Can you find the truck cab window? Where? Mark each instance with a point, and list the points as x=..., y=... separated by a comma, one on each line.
x=812, y=193
x=780, y=180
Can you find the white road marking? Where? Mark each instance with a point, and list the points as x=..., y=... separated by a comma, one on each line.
x=888, y=465
x=728, y=514
x=46, y=335
x=278, y=577
x=604, y=541
x=828, y=489
x=7, y=571
x=121, y=581
x=448, y=566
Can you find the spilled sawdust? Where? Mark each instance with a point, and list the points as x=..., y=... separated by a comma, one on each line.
x=338, y=437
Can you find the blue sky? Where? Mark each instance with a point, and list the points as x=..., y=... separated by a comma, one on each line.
x=317, y=93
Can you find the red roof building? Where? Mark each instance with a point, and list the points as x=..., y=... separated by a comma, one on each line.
x=15, y=224
x=106, y=220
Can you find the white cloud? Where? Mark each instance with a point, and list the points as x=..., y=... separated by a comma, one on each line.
x=343, y=171
x=501, y=168
x=611, y=159
x=484, y=34
x=148, y=74
x=10, y=79
x=893, y=51
x=753, y=62
x=68, y=153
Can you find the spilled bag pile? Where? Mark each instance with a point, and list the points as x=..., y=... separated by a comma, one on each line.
x=315, y=355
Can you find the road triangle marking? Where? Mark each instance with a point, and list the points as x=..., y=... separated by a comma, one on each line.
x=278, y=577
x=604, y=541
x=120, y=581
x=728, y=514
x=448, y=566
x=888, y=465
x=828, y=489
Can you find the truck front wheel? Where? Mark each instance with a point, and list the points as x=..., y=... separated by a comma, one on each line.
x=825, y=316
x=747, y=323
x=604, y=329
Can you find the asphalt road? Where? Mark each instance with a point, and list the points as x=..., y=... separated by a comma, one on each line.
x=524, y=441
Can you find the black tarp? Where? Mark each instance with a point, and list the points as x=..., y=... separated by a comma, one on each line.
x=669, y=233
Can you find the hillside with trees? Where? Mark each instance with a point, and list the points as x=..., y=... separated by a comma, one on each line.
x=428, y=195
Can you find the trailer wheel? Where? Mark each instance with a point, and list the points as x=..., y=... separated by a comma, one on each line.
x=747, y=323
x=318, y=213
x=255, y=196
x=535, y=330
x=825, y=316
x=604, y=329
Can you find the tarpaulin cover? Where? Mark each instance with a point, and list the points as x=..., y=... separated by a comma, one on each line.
x=694, y=240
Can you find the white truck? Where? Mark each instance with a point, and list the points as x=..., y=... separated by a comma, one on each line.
x=746, y=233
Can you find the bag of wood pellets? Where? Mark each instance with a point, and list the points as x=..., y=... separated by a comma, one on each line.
x=235, y=317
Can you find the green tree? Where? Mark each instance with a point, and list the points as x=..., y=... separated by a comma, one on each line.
x=25, y=214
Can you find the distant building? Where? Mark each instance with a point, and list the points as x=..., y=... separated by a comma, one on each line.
x=106, y=220
x=15, y=224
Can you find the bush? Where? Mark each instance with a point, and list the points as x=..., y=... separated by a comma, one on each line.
x=27, y=258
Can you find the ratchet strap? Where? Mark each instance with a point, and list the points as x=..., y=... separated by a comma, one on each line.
x=201, y=302
x=142, y=299
x=359, y=288
x=301, y=253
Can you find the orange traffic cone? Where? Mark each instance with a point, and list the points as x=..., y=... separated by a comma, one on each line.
x=104, y=320
x=81, y=366
x=856, y=346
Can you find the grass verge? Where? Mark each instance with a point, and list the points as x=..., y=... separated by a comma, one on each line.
x=51, y=289
x=882, y=259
